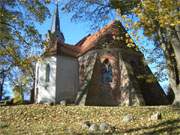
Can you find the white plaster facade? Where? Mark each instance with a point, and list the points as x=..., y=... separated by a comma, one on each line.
x=63, y=82
x=45, y=91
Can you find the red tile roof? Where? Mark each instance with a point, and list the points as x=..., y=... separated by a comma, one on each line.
x=91, y=40
x=84, y=45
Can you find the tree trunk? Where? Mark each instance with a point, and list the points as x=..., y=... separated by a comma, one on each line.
x=1, y=84
x=169, y=39
x=1, y=91
x=32, y=96
x=172, y=71
x=175, y=41
x=32, y=92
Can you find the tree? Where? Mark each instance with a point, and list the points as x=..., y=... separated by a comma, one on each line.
x=158, y=18
x=98, y=12
x=19, y=40
x=3, y=75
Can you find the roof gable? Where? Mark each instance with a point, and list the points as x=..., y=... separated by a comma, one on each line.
x=108, y=34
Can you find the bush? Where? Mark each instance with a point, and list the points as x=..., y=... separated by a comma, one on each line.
x=18, y=95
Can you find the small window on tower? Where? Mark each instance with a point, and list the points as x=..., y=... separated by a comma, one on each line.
x=47, y=73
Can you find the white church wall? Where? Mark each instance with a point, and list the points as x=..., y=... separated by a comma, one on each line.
x=45, y=90
x=67, y=78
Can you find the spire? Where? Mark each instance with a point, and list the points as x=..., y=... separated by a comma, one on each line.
x=55, y=29
x=55, y=23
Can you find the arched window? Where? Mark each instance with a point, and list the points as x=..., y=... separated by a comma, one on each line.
x=106, y=72
x=47, y=73
x=37, y=77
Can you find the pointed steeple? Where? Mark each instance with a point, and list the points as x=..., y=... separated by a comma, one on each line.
x=55, y=29
x=55, y=23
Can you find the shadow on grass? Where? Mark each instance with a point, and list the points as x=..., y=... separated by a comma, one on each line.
x=176, y=109
x=169, y=126
x=3, y=125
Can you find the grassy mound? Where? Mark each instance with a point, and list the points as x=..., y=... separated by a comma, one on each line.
x=45, y=119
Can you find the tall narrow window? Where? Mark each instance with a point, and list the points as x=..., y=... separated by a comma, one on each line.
x=37, y=76
x=106, y=72
x=47, y=73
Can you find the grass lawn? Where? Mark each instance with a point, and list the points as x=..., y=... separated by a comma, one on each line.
x=57, y=119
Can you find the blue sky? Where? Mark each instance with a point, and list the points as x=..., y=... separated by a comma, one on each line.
x=73, y=32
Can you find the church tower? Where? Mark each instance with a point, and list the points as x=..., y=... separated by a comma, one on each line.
x=55, y=28
x=57, y=69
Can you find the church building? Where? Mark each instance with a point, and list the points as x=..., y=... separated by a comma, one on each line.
x=103, y=69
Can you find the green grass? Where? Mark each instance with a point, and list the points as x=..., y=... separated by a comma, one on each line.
x=44, y=119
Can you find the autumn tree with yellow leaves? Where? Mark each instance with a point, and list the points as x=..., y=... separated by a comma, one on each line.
x=20, y=42
x=160, y=21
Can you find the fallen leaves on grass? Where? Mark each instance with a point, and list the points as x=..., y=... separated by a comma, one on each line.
x=57, y=119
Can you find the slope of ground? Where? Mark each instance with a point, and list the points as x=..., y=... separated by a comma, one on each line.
x=45, y=119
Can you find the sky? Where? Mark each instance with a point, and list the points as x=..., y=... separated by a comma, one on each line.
x=73, y=32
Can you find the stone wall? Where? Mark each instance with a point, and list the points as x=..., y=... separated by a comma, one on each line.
x=67, y=79
x=129, y=85
x=86, y=67
x=93, y=91
x=143, y=78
